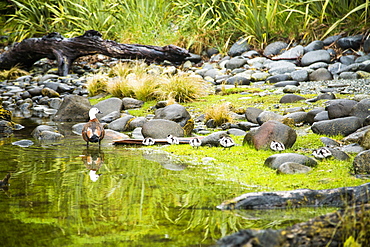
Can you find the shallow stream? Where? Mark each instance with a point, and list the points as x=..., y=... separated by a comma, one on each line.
x=63, y=194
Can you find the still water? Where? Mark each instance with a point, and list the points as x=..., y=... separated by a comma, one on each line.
x=63, y=194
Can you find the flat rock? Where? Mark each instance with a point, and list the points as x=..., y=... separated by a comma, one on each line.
x=339, y=126
x=314, y=57
x=161, y=128
x=291, y=98
x=276, y=160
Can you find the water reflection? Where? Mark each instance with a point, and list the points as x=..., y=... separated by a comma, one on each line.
x=93, y=159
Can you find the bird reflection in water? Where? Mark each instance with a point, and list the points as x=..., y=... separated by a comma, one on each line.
x=93, y=159
x=4, y=184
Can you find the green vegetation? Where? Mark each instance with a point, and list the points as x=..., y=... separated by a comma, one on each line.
x=193, y=24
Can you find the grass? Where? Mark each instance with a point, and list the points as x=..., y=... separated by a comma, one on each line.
x=192, y=24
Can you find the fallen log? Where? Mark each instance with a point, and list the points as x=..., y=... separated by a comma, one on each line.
x=345, y=227
x=338, y=197
x=65, y=50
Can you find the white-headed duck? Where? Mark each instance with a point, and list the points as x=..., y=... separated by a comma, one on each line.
x=93, y=131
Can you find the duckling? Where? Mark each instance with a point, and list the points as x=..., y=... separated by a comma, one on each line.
x=277, y=146
x=93, y=131
x=148, y=141
x=195, y=143
x=227, y=142
x=322, y=153
x=172, y=139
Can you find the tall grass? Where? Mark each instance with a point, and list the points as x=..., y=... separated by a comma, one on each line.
x=193, y=24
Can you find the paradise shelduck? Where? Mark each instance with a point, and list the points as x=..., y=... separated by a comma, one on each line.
x=172, y=139
x=227, y=142
x=195, y=143
x=277, y=146
x=148, y=141
x=93, y=131
x=322, y=153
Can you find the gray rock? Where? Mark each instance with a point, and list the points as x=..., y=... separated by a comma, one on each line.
x=352, y=148
x=339, y=154
x=213, y=140
x=293, y=168
x=366, y=45
x=286, y=83
x=298, y=117
x=294, y=53
x=299, y=75
x=77, y=128
x=120, y=124
x=350, y=42
x=174, y=112
x=314, y=46
x=291, y=98
x=269, y=115
x=275, y=48
x=130, y=103
x=361, y=163
x=239, y=47
x=251, y=114
x=318, y=65
x=347, y=60
x=365, y=140
x=338, y=108
x=50, y=136
x=361, y=109
x=356, y=136
x=321, y=116
x=110, y=117
x=339, y=126
x=277, y=78
x=109, y=105
x=321, y=74
x=331, y=39
x=114, y=135
x=161, y=128
x=315, y=56
x=291, y=89
x=276, y=160
x=337, y=68
x=235, y=62
x=348, y=75
x=73, y=109
x=270, y=131
x=213, y=73
x=311, y=114
x=328, y=95
x=260, y=76
x=136, y=122
x=55, y=103
x=329, y=142
x=238, y=80
x=235, y=132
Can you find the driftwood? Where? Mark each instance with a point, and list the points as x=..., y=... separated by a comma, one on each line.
x=338, y=197
x=332, y=229
x=66, y=50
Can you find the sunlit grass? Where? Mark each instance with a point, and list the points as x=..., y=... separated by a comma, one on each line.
x=219, y=113
x=97, y=84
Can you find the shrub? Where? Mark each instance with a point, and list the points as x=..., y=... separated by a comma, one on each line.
x=219, y=113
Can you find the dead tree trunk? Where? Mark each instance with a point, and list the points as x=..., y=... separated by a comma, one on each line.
x=338, y=197
x=66, y=50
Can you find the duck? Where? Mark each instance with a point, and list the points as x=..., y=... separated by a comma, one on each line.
x=322, y=153
x=227, y=142
x=277, y=146
x=172, y=139
x=148, y=141
x=93, y=131
x=195, y=143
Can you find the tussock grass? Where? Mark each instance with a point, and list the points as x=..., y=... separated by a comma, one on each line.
x=97, y=84
x=219, y=113
x=12, y=74
x=182, y=88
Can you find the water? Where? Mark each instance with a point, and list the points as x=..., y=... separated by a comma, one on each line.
x=63, y=194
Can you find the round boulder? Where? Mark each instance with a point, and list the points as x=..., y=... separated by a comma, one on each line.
x=120, y=124
x=109, y=105
x=338, y=108
x=175, y=112
x=314, y=57
x=271, y=131
x=291, y=98
x=161, y=128
x=276, y=160
x=73, y=109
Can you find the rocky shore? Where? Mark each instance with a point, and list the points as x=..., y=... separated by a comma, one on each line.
x=320, y=70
